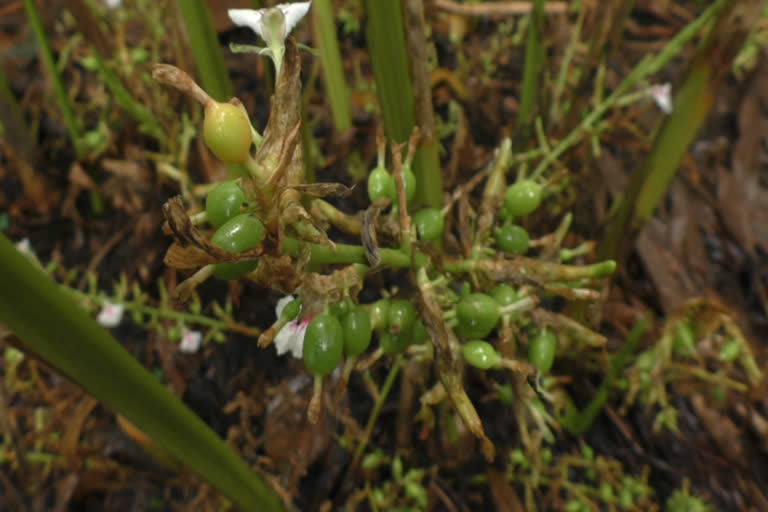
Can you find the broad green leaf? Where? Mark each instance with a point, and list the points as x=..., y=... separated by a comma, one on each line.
x=56, y=329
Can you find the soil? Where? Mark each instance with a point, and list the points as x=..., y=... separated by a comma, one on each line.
x=708, y=241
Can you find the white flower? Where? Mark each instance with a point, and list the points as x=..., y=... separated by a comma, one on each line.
x=291, y=338
x=23, y=246
x=190, y=341
x=272, y=24
x=112, y=4
x=662, y=95
x=110, y=315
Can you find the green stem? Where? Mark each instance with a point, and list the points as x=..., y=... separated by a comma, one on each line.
x=73, y=127
x=692, y=104
x=670, y=146
x=330, y=57
x=209, y=59
x=124, y=98
x=580, y=423
x=14, y=128
x=429, y=176
x=382, y=398
x=76, y=346
x=646, y=67
x=180, y=316
x=499, y=270
x=205, y=48
x=556, y=108
x=534, y=63
x=385, y=35
x=504, y=270
x=345, y=254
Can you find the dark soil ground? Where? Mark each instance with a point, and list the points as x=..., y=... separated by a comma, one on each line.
x=708, y=240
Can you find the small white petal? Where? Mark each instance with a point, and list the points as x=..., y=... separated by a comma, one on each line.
x=110, y=315
x=662, y=95
x=190, y=341
x=282, y=303
x=248, y=18
x=291, y=338
x=293, y=14
x=111, y=4
x=24, y=247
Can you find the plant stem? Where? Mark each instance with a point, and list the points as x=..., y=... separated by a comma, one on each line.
x=330, y=57
x=71, y=122
x=646, y=67
x=382, y=398
x=534, y=63
x=498, y=270
x=124, y=98
x=580, y=423
x=15, y=129
x=650, y=182
x=429, y=177
x=386, y=41
x=205, y=48
x=180, y=316
x=101, y=47
x=691, y=107
x=20, y=140
x=385, y=34
x=345, y=253
x=208, y=57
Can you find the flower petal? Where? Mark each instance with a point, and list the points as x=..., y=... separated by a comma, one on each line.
x=291, y=339
x=190, y=341
x=280, y=306
x=110, y=315
x=248, y=18
x=294, y=13
x=25, y=247
x=662, y=95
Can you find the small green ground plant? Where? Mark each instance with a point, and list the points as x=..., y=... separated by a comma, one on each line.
x=461, y=285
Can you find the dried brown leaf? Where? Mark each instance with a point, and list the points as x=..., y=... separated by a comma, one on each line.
x=175, y=77
x=504, y=494
x=191, y=248
x=318, y=290
x=742, y=200
x=323, y=189
x=449, y=364
x=368, y=231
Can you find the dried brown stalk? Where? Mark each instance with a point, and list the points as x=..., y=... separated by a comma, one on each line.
x=448, y=361
x=498, y=8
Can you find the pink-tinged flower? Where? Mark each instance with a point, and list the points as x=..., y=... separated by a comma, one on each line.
x=190, y=341
x=110, y=315
x=662, y=95
x=291, y=338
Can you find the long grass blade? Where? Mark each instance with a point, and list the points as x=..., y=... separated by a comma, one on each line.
x=54, y=328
